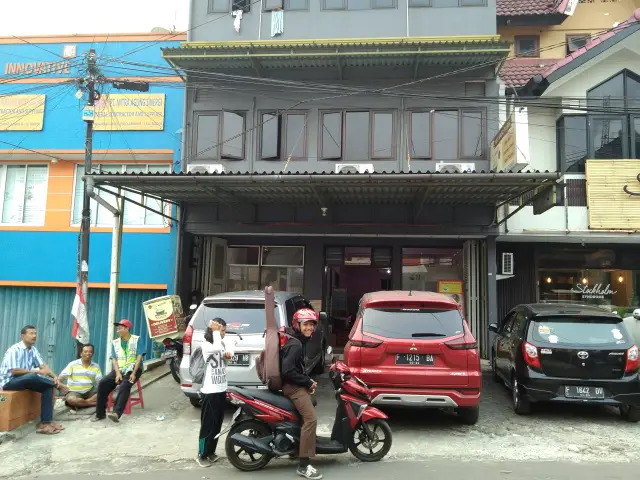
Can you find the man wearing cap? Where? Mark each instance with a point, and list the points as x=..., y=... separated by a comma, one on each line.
x=126, y=355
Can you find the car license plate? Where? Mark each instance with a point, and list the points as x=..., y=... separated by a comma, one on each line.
x=414, y=359
x=240, y=360
x=583, y=392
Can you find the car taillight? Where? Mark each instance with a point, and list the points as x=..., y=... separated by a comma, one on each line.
x=186, y=340
x=365, y=342
x=463, y=343
x=633, y=360
x=531, y=356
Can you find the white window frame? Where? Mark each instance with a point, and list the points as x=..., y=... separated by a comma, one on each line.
x=166, y=207
x=4, y=169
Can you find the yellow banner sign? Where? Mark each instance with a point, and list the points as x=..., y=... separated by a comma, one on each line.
x=137, y=111
x=22, y=112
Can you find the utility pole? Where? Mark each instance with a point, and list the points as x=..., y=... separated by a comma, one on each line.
x=88, y=114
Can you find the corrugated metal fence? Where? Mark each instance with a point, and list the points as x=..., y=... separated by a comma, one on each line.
x=49, y=309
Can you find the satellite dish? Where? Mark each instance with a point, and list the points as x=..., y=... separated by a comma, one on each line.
x=160, y=30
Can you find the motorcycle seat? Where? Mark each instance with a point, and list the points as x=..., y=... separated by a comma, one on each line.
x=267, y=396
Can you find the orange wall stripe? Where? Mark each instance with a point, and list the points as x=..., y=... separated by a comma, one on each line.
x=100, y=37
x=132, y=286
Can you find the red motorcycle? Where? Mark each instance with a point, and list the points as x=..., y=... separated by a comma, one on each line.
x=267, y=425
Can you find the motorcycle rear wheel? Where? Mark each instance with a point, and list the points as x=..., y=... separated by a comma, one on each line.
x=257, y=429
x=174, y=366
x=360, y=440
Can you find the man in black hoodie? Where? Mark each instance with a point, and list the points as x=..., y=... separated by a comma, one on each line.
x=298, y=387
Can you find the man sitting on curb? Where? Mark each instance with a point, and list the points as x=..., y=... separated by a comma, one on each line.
x=23, y=369
x=82, y=377
x=126, y=356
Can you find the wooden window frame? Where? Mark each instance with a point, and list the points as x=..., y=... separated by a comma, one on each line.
x=536, y=52
x=283, y=124
x=220, y=114
x=570, y=36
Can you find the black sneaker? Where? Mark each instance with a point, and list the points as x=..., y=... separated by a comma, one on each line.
x=213, y=458
x=309, y=472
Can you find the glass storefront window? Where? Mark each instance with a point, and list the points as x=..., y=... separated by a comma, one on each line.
x=253, y=267
x=615, y=290
x=422, y=268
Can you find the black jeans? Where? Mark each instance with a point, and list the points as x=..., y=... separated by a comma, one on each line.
x=108, y=385
x=211, y=418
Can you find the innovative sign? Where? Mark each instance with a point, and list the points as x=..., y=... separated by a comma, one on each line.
x=22, y=112
x=37, y=68
x=126, y=111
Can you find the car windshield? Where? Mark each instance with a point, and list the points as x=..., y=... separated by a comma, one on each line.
x=412, y=322
x=241, y=317
x=580, y=331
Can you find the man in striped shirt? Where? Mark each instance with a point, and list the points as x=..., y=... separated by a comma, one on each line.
x=82, y=377
x=22, y=368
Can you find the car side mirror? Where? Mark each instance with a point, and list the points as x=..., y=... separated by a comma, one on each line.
x=493, y=327
x=323, y=316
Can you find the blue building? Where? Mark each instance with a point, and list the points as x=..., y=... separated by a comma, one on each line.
x=42, y=140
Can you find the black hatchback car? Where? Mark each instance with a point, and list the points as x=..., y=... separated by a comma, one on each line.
x=566, y=353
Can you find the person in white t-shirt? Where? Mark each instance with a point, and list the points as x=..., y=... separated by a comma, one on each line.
x=216, y=353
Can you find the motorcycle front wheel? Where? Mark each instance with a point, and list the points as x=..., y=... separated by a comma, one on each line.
x=366, y=449
x=241, y=458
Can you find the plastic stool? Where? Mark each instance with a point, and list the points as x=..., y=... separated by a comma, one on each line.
x=131, y=401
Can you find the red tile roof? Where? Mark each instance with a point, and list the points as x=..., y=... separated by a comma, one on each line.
x=516, y=72
x=513, y=8
x=595, y=41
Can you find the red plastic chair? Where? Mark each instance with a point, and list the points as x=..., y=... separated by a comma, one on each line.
x=131, y=402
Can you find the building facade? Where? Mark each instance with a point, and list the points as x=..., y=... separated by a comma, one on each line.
x=325, y=145
x=579, y=117
x=42, y=140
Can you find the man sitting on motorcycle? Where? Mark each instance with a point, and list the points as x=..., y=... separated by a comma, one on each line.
x=298, y=387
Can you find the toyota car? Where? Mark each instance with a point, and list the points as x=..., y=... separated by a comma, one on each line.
x=567, y=353
x=414, y=349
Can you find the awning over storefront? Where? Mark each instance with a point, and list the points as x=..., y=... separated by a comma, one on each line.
x=261, y=56
x=415, y=189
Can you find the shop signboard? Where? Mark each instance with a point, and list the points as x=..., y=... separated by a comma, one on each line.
x=130, y=111
x=611, y=185
x=164, y=316
x=510, y=146
x=593, y=292
x=453, y=289
x=22, y=112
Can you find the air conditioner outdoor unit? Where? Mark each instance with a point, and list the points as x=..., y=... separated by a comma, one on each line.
x=455, y=167
x=354, y=168
x=205, y=168
x=507, y=263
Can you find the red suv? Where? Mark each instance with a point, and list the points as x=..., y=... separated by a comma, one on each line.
x=414, y=349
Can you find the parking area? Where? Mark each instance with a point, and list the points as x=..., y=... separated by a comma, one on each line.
x=164, y=436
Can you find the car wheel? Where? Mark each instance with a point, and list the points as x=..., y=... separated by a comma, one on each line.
x=195, y=401
x=318, y=369
x=494, y=370
x=469, y=415
x=521, y=404
x=630, y=414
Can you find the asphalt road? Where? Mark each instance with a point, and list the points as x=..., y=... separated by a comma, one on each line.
x=436, y=469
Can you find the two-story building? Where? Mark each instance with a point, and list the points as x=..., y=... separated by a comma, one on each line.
x=337, y=147
x=581, y=117
x=42, y=141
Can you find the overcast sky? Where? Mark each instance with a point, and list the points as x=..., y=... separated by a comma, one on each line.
x=55, y=17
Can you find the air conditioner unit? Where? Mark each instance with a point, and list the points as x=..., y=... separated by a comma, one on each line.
x=205, y=168
x=354, y=168
x=507, y=264
x=455, y=167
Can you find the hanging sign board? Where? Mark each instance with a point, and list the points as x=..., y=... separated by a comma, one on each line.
x=164, y=316
x=21, y=112
x=130, y=111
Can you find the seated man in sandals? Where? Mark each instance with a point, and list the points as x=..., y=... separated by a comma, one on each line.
x=23, y=369
x=82, y=377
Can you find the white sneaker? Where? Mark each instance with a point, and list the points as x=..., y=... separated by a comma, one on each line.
x=203, y=462
x=309, y=472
